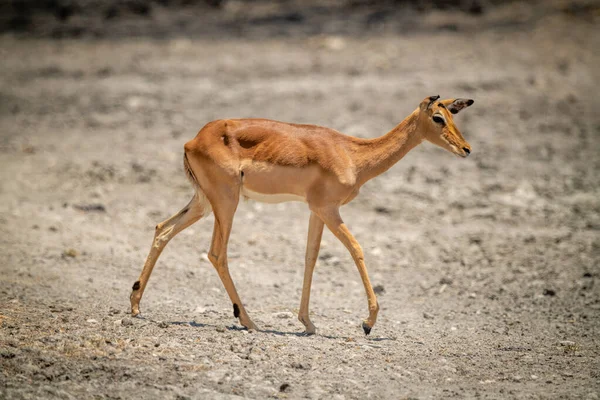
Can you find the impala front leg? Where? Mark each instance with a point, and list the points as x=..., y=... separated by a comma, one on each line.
x=338, y=228
x=165, y=231
x=315, y=231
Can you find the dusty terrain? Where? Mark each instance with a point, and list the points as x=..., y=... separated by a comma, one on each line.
x=487, y=268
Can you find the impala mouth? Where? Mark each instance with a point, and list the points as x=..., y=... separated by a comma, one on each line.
x=464, y=152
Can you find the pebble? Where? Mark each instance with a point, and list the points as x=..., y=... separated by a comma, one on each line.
x=92, y=321
x=426, y=315
x=566, y=343
x=284, y=315
x=220, y=329
x=298, y=365
x=126, y=322
x=284, y=387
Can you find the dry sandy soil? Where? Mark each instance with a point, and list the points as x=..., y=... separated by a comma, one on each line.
x=487, y=268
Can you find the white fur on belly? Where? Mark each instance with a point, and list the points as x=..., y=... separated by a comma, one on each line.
x=271, y=198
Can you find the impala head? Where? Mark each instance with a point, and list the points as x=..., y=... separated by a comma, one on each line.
x=438, y=126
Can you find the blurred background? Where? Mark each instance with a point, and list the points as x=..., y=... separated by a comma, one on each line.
x=284, y=18
x=486, y=268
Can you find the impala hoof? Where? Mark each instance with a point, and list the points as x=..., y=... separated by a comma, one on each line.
x=251, y=327
x=309, y=332
x=366, y=328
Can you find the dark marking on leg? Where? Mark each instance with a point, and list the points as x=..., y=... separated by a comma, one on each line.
x=236, y=310
x=366, y=328
x=136, y=285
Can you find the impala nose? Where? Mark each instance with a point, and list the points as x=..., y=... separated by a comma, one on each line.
x=466, y=150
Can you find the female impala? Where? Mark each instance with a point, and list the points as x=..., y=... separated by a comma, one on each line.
x=272, y=162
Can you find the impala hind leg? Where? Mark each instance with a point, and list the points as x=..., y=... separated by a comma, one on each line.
x=334, y=222
x=224, y=212
x=165, y=231
x=315, y=232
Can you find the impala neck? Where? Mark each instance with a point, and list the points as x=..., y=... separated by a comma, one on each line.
x=380, y=154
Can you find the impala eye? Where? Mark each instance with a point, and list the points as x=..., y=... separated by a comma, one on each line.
x=438, y=120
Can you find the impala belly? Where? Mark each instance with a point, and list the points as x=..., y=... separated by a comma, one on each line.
x=269, y=183
x=271, y=198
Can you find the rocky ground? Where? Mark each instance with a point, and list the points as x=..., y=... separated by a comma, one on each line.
x=486, y=268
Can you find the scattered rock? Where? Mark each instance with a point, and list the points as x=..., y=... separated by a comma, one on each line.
x=7, y=354
x=549, y=292
x=298, y=365
x=379, y=289
x=220, y=329
x=566, y=343
x=92, y=321
x=446, y=281
x=382, y=210
x=284, y=387
x=93, y=207
x=284, y=315
x=163, y=324
x=427, y=315
x=70, y=253
x=126, y=322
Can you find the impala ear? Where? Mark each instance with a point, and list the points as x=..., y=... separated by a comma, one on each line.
x=427, y=102
x=455, y=105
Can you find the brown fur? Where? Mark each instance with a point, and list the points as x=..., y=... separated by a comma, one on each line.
x=265, y=160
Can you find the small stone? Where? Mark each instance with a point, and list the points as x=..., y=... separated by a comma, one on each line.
x=72, y=253
x=93, y=207
x=163, y=324
x=298, y=365
x=549, y=292
x=445, y=281
x=92, y=321
x=126, y=322
x=379, y=289
x=472, y=295
x=220, y=329
x=382, y=210
x=566, y=343
x=376, y=251
x=284, y=315
x=284, y=387
x=427, y=315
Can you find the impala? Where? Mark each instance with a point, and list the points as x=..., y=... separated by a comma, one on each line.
x=271, y=161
